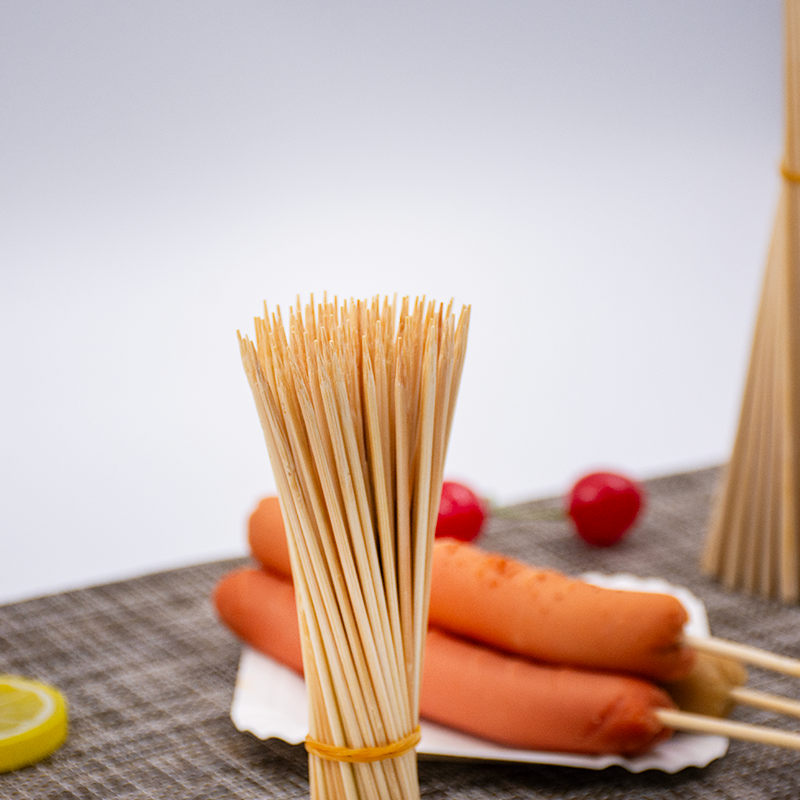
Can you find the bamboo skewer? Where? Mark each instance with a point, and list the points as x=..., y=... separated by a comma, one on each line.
x=356, y=404
x=699, y=723
x=745, y=653
x=765, y=701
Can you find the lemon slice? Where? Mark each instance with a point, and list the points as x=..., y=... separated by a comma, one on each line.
x=33, y=721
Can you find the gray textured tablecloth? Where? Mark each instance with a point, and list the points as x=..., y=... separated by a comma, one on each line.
x=148, y=673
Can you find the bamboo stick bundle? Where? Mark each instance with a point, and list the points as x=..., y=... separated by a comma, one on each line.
x=753, y=543
x=356, y=402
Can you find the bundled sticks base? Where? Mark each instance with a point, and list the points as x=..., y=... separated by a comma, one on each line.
x=356, y=402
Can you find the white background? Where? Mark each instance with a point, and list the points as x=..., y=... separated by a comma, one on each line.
x=597, y=179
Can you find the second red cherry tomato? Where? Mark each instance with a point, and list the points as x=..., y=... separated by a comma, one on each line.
x=604, y=506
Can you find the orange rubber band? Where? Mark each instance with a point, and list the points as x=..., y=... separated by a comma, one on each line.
x=363, y=755
x=794, y=177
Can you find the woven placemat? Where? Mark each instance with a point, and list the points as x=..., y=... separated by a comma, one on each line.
x=148, y=673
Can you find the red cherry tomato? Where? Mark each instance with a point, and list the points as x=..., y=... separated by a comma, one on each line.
x=461, y=513
x=603, y=506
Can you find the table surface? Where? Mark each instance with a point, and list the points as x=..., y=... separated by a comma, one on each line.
x=148, y=673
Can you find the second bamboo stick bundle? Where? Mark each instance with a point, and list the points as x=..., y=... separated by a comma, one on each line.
x=754, y=539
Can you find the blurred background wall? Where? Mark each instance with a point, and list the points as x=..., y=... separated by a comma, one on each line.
x=597, y=179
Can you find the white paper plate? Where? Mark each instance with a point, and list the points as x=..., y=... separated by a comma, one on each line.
x=270, y=702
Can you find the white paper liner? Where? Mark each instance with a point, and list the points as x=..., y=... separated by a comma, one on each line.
x=270, y=701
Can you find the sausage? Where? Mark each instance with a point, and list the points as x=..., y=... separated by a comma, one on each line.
x=539, y=614
x=547, y=616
